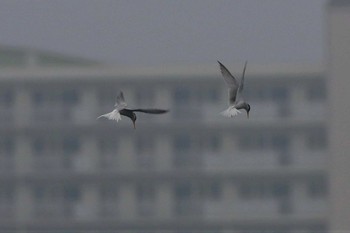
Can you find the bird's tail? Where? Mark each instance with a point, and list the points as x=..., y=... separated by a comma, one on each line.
x=230, y=112
x=114, y=115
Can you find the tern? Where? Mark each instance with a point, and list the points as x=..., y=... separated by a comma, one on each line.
x=235, y=89
x=120, y=109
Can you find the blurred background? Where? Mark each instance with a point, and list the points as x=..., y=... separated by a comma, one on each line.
x=285, y=169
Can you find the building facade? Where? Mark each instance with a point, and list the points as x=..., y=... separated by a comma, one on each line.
x=339, y=127
x=190, y=169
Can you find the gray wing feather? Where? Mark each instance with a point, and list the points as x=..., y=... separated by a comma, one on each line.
x=120, y=103
x=232, y=94
x=231, y=82
x=241, y=85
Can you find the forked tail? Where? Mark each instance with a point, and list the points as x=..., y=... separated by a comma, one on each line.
x=114, y=115
x=230, y=112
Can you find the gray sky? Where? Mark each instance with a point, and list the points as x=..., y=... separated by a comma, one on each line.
x=169, y=31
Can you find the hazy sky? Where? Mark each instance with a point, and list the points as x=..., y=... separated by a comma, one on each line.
x=168, y=31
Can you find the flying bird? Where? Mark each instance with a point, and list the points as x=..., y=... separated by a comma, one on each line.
x=235, y=89
x=120, y=109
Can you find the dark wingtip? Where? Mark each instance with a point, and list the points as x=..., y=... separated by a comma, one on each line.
x=164, y=111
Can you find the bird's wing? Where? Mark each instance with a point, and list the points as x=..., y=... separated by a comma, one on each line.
x=114, y=115
x=232, y=95
x=150, y=110
x=120, y=103
x=231, y=82
x=241, y=84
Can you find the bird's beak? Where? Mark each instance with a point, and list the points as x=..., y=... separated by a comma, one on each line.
x=134, y=124
x=248, y=115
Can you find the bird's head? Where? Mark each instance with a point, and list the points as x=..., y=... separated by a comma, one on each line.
x=247, y=108
x=133, y=118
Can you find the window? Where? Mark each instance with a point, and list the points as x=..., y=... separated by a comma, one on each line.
x=55, y=200
x=145, y=145
x=6, y=105
x=182, y=96
x=6, y=147
x=280, y=94
x=6, y=194
x=257, y=141
x=109, y=192
x=54, y=154
x=182, y=144
x=109, y=200
x=7, y=201
x=251, y=190
x=109, y=158
x=63, y=97
x=70, y=97
x=262, y=190
x=108, y=146
x=213, y=143
x=317, y=141
x=210, y=94
x=71, y=145
x=317, y=188
x=6, y=97
x=211, y=190
x=253, y=142
x=38, y=147
x=53, y=105
x=280, y=190
x=145, y=97
x=184, y=153
x=107, y=97
x=145, y=152
x=316, y=92
x=38, y=98
x=145, y=194
x=71, y=193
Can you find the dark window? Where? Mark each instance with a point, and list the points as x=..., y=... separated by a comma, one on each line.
x=317, y=141
x=316, y=92
x=182, y=96
x=317, y=188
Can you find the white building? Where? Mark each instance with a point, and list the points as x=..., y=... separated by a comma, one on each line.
x=339, y=126
x=187, y=170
